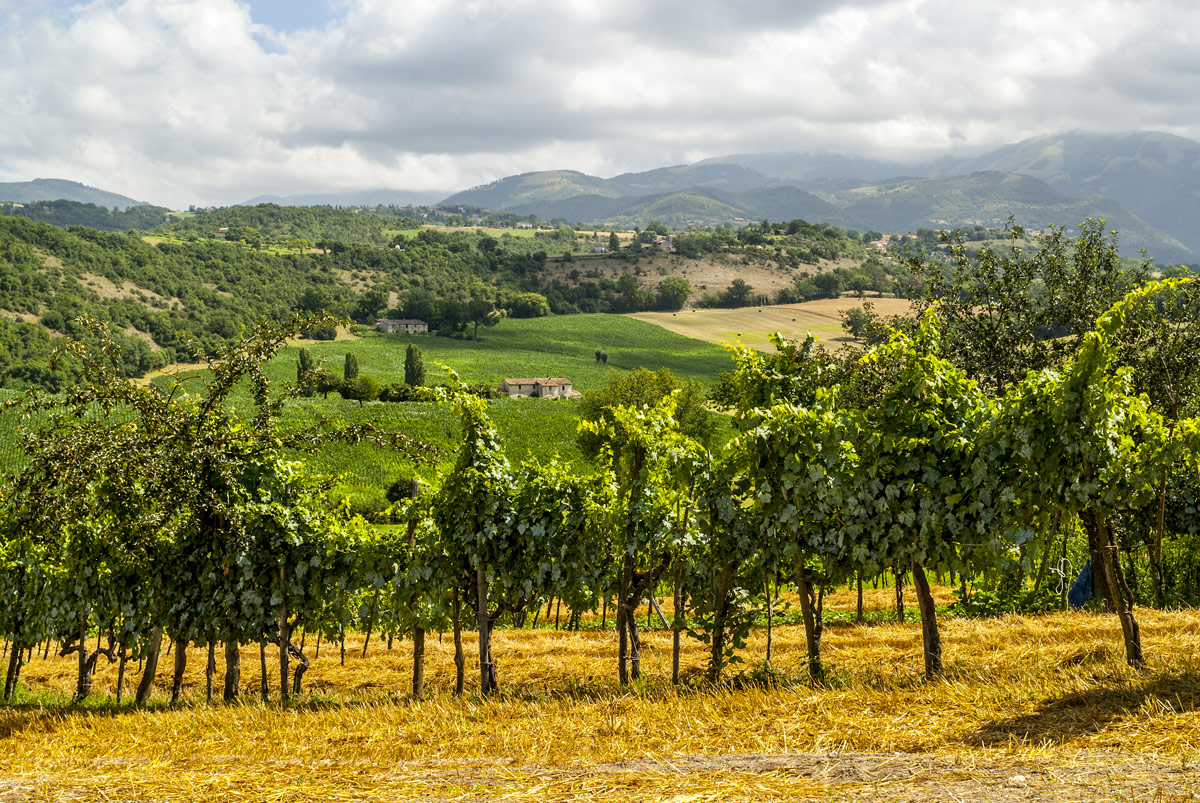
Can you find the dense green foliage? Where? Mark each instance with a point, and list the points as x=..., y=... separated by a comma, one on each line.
x=74, y=213
x=644, y=388
x=285, y=225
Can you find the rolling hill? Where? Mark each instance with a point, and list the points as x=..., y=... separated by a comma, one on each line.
x=545, y=185
x=57, y=189
x=987, y=197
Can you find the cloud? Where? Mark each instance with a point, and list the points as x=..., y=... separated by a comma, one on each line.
x=182, y=101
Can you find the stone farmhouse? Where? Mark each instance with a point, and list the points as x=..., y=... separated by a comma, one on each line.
x=409, y=326
x=550, y=387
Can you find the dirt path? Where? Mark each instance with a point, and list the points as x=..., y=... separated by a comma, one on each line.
x=791, y=776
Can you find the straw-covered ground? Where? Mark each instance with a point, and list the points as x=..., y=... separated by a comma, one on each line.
x=1031, y=707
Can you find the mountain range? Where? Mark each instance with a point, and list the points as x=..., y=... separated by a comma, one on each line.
x=1145, y=184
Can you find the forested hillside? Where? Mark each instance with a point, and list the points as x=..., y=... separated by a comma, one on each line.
x=74, y=213
x=285, y=224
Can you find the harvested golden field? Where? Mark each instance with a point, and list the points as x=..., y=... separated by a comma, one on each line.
x=710, y=273
x=750, y=326
x=1030, y=708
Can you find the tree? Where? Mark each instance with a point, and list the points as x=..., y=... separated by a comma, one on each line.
x=369, y=305
x=1079, y=442
x=673, y=293
x=643, y=388
x=304, y=366
x=855, y=321
x=923, y=497
x=471, y=510
x=828, y=284
x=325, y=381
x=737, y=294
x=414, y=366
x=528, y=305
x=350, y=368
x=614, y=243
x=786, y=432
x=361, y=389
x=648, y=459
x=1011, y=310
x=481, y=309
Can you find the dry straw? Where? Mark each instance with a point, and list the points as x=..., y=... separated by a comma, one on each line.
x=1039, y=706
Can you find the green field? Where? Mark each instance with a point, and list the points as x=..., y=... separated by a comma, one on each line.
x=562, y=345
x=556, y=346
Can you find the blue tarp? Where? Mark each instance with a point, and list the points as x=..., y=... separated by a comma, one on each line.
x=1081, y=592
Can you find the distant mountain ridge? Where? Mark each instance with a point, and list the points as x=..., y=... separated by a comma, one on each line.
x=1145, y=184
x=367, y=197
x=57, y=189
x=1155, y=176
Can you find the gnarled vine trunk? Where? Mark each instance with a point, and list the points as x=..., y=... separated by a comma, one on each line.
x=460, y=658
x=1097, y=544
x=622, y=615
x=931, y=638
x=13, y=676
x=264, y=689
x=146, y=686
x=284, y=636
x=418, y=679
x=716, y=661
x=83, y=684
x=1123, y=596
x=487, y=682
x=233, y=671
x=813, y=624
x=181, y=645
x=302, y=664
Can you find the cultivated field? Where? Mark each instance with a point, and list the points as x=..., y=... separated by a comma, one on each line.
x=1031, y=708
x=561, y=345
x=750, y=326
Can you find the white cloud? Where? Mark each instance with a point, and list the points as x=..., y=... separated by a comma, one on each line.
x=181, y=101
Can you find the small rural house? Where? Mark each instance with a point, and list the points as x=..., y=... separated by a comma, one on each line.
x=409, y=326
x=523, y=224
x=550, y=387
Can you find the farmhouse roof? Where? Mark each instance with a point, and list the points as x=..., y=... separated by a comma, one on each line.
x=401, y=321
x=548, y=381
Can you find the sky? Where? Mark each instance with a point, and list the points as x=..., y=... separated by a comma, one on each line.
x=181, y=102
